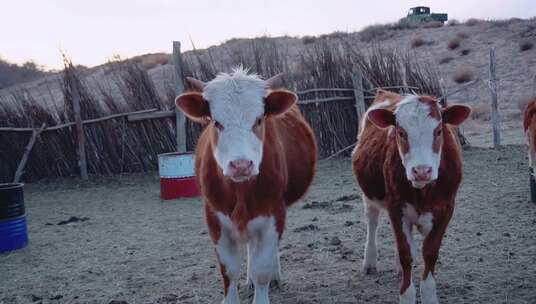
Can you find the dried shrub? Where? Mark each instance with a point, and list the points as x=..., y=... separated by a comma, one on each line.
x=418, y=42
x=338, y=35
x=503, y=22
x=445, y=60
x=372, y=32
x=463, y=74
x=433, y=24
x=11, y=73
x=462, y=35
x=308, y=39
x=454, y=43
x=151, y=61
x=472, y=22
x=465, y=52
x=482, y=111
x=526, y=45
x=403, y=24
x=453, y=22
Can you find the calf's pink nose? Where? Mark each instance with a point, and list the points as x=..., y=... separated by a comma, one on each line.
x=241, y=167
x=422, y=173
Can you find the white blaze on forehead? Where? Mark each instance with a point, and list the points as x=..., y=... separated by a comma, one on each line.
x=415, y=118
x=236, y=100
x=414, y=115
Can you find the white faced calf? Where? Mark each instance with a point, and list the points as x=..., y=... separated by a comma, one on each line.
x=408, y=162
x=255, y=158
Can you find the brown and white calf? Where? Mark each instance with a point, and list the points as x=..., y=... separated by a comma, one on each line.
x=529, y=125
x=408, y=162
x=255, y=158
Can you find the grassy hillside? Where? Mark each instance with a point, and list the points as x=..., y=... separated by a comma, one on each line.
x=11, y=73
x=456, y=52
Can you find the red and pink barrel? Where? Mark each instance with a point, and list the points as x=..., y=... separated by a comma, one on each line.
x=177, y=175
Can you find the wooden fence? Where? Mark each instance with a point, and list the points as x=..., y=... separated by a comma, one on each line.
x=333, y=113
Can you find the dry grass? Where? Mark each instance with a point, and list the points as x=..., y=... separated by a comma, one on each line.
x=481, y=111
x=454, y=43
x=472, y=22
x=526, y=45
x=463, y=74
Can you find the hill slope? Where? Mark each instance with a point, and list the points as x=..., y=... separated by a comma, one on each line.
x=435, y=47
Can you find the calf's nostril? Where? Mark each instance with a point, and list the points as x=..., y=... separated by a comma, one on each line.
x=241, y=166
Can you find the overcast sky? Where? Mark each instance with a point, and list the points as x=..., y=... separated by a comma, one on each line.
x=93, y=31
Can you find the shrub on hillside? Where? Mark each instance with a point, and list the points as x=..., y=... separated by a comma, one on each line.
x=338, y=35
x=472, y=22
x=465, y=52
x=462, y=35
x=503, y=22
x=445, y=60
x=453, y=22
x=482, y=111
x=526, y=45
x=153, y=60
x=403, y=24
x=454, y=43
x=308, y=39
x=375, y=31
x=418, y=42
x=463, y=74
x=11, y=74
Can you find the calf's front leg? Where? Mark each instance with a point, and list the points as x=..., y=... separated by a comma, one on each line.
x=408, y=292
x=430, y=253
x=263, y=260
x=228, y=254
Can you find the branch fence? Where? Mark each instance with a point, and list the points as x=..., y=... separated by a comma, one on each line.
x=334, y=87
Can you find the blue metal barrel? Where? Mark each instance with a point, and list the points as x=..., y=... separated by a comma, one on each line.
x=13, y=228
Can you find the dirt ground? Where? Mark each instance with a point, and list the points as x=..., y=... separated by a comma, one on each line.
x=130, y=247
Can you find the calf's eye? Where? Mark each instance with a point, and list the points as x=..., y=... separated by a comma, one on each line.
x=218, y=125
x=257, y=122
x=402, y=134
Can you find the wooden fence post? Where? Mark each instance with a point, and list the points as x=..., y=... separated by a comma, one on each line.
x=494, y=107
x=80, y=136
x=180, y=119
x=357, y=83
x=27, y=150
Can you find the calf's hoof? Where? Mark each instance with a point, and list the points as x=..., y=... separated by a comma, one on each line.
x=369, y=269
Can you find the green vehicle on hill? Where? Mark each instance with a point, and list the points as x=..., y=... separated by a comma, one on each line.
x=422, y=14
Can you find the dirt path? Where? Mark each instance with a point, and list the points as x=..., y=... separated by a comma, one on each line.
x=135, y=248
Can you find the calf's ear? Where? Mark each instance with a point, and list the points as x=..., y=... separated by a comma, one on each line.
x=193, y=105
x=278, y=102
x=456, y=114
x=382, y=118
